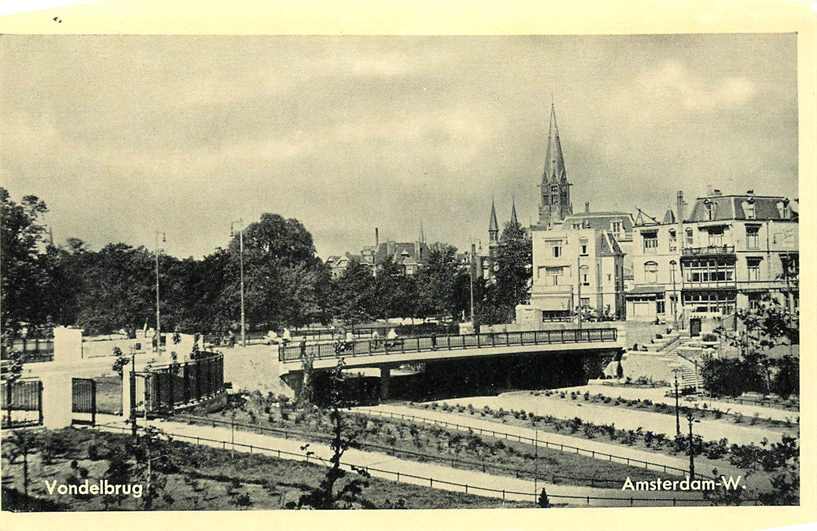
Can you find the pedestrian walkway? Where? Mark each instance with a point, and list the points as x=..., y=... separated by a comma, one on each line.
x=622, y=417
x=393, y=468
x=657, y=395
x=594, y=448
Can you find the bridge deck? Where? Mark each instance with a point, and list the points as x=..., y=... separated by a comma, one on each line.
x=378, y=352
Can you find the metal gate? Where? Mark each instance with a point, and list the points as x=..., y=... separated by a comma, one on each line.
x=83, y=400
x=21, y=403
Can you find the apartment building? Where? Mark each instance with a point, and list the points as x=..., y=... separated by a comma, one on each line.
x=726, y=253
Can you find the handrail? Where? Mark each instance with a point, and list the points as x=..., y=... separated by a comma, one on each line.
x=432, y=343
x=534, y=495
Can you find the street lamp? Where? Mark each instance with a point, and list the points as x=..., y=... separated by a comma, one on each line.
x=675, y=372
x=672, y=264
x=691, y=418
x=240, y=222
x=158, y=322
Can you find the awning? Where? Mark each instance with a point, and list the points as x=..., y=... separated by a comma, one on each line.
x=645, y=290
x=552, y=304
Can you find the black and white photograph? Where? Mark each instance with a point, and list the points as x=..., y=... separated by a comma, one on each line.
x=290, y=272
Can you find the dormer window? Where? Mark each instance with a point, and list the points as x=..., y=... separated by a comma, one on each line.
x=749, y=209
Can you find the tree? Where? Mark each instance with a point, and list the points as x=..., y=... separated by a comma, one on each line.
x=512, y=273
x=437, y=283
x=758, y=330
x=343, y=438
x=21, y=443
x=353, y=294
x=23, y=281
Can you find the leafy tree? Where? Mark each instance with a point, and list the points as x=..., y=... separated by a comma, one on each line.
x=438, y=282
x=353, y=294
x=512, y=273
x=24, y=280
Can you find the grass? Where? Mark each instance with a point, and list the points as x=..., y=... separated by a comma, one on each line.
x=208, y=479
x=452, y=448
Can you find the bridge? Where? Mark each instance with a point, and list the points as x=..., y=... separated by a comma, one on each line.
x=389, y=353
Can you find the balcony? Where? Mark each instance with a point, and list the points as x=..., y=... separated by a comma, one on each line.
x=711, y=250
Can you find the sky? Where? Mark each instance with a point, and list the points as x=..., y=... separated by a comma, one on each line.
x=126, y=135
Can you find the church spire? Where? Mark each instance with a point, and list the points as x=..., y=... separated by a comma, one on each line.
x=554, y=160
x=493, y=225
x=422, y=234
x=514, y=219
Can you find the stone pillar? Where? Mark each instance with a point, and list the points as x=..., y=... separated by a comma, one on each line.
x=385, y=377
x=56, y=401
x=67, y=345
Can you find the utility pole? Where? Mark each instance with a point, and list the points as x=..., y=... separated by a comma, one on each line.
x=158, y=322
x=132, y=377
x=579, y=288
x=241, y=267
x=471, y=281
x=536, y=462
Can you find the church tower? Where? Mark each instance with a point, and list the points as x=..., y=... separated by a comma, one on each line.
x=493, y=226
x=554, y=199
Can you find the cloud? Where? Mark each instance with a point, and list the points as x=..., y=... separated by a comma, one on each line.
x=673, y=83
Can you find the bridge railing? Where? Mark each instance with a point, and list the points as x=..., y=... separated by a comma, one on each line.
x=430, y=343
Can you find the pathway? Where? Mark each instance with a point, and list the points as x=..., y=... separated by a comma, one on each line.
x=405, y=471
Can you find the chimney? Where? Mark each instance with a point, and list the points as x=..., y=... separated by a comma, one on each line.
x=716, y=192
x=376, y=237
x=679, y=205
x=587, y=207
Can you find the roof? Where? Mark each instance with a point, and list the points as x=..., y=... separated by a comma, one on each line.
x=492, y=224
x=601, y=220
x=735, y=207
x=554, y=159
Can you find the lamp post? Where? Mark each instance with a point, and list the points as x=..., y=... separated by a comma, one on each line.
x=675, y=372
x=158, y=322
x=240, y=222
x=672, y=264
x=579, y=289
x=471, y=268
x=132, y=377
x=691, y=418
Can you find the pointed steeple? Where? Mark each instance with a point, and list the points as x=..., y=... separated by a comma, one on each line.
x=554, y=160
x=514, y=219
x=422, y=234
x=493, y=225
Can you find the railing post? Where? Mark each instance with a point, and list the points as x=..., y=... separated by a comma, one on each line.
x=478, y=345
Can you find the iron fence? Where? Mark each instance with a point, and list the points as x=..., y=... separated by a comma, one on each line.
x=468, y=488
x=171, y=385
x=402, y=345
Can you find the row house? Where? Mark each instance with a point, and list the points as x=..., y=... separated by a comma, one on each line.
x=725, y=254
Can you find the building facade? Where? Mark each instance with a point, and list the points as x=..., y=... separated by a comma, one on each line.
x=575, y=268
x=725, y=254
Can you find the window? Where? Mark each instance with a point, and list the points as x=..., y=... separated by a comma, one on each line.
x=557, y=251
x=749, y=209
x=617, y=227
x=673, y=242
x=753, y=266
x=650, y=242
x=650, y=272
x=689, y=239
x=583, y=274
x=715, y=237
x=585, y=302
x=659, y=306
x=552, y=275
x=752, y=237
x=583, y=247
